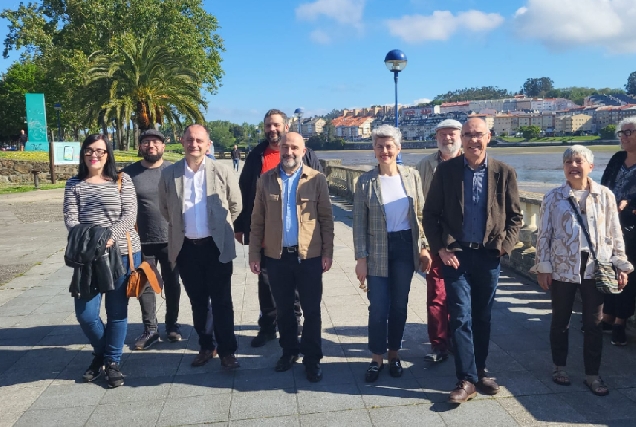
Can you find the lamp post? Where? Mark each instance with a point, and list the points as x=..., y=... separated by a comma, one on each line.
x=396, y=61
x=58, y=107
x=298, y=112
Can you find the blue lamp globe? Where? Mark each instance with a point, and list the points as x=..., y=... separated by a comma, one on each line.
x=395, y=60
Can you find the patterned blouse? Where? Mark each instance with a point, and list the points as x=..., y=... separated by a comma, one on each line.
x=559, y=234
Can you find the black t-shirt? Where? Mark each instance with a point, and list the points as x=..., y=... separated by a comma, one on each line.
x=153, y=228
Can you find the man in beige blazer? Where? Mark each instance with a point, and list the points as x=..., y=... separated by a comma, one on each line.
x=200, y=199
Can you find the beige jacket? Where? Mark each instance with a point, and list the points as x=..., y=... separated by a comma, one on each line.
x=315, y=216
x=559, y=234
x=223, y=205
x=426, y=168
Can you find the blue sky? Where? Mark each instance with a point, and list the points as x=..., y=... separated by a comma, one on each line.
x=326, y=54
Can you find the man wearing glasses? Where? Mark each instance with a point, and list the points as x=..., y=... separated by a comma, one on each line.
x=153, y=232
x=472, y=218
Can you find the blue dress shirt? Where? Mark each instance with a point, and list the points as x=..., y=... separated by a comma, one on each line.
x=475, y=202
x=290, y=213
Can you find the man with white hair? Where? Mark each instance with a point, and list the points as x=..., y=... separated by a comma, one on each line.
x=449, y=143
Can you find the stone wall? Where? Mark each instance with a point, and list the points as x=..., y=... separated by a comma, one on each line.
x=20, y=171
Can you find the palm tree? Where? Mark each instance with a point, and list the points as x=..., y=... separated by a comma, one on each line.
x=145, y=78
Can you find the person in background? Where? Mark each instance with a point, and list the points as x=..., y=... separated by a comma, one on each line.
x=236, y=157
x=620, y=177
x=449, y=144
x=472, y=217
x=153, y=232
x=389, y=246
x=93, y=197
x=23, y=139
x=564, y=265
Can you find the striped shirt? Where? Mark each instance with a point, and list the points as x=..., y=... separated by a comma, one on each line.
x=103, y=205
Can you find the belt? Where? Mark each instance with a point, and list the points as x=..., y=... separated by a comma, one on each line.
x=290, y=249
x=198, y=242
x=471, y=245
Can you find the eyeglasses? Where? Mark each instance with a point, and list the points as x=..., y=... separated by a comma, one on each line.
x=88, y=152
x=479, y=135
x=573, y=162
x=627, y=133
x=151, y=141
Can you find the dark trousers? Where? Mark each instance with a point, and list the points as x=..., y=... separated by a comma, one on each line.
x=436, y=310
x=470, y=293
x=289, y=277
x=267, y=305
x=622, y=305
x=205, y=279
x=158, y=253
x=562, y=302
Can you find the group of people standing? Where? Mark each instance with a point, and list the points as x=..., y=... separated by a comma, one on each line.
x=453, y=217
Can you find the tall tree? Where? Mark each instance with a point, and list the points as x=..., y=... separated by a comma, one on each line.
x=537, y=87
x=630, y=87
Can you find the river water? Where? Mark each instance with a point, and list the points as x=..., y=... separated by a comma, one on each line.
x=539, y=169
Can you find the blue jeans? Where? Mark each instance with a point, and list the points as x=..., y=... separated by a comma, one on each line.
x=470, y=292
x=235, y=164
x=107, y=340
x=389, y=296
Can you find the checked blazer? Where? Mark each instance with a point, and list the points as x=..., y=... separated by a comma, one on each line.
x=369, y=219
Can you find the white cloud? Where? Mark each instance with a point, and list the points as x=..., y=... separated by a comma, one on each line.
x=421, y=101
x=346, y=12
x=441, y=25
x=320, y=37
x=566, y=24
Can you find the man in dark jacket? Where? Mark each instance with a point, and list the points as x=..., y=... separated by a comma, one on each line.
x=265, y=156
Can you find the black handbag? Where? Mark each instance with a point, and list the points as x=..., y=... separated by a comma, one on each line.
x=604, y=272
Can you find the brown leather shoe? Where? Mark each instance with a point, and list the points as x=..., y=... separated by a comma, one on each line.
x=463, y=392
x=203, y=357
x=486, y=384
x=230, y=362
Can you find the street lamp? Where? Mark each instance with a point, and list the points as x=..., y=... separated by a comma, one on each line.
x=395, y=61
x=58, y=107
x=298, y=112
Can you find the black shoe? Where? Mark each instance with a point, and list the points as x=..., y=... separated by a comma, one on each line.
x=262, y=337
x=313, y=371
x=618, y=335
x=147, y=339
x=607, y=327
x=94, y=371
x=395, y=368
x=285, y=363
x=173, y=332
x=114, y=377
x=373, y=372
x=436, y=356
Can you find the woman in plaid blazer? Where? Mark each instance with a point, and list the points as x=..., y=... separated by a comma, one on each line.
x=389, y=245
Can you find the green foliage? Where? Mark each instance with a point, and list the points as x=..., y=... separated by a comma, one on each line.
x=18, y=80
x=320, y=142
x=530, y=132
x=608, y=132
x=578, y=94
x=630, y=87
x=537, y=87
x=63, y=37
x=484, y=92
x=221, y=133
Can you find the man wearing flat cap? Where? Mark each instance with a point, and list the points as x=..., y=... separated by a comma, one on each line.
x=153, y=232
x=449, y=144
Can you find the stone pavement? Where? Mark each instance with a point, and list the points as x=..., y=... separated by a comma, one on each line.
x=43, y=354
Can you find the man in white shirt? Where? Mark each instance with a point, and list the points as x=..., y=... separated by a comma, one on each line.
x=200, y=199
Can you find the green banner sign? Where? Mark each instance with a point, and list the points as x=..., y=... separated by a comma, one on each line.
x=36, y=121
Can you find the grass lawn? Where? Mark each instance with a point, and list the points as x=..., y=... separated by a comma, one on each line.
x=43, y=156
x=551, y=139
x=22, y=188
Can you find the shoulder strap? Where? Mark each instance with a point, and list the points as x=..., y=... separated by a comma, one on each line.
x=582, y=224
x=131, y=262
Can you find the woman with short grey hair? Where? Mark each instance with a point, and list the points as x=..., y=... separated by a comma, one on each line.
x=620, y=177
x=565, y=260
x=389, y=246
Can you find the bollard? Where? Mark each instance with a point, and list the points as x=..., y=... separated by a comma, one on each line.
x=36, y=179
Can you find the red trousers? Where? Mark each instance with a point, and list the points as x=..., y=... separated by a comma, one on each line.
x=436, y=306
